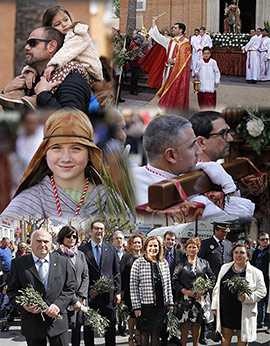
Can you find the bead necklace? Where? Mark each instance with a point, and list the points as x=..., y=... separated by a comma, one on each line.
x=57, y=199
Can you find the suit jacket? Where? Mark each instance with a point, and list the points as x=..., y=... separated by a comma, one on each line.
x=211, y=251
x=265, y=264
x=80, y=270
x=60, y=291
x=109, y=267
x=179, y=256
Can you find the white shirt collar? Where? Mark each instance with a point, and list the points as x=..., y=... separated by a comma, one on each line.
x=157, y=171
x=35, y=258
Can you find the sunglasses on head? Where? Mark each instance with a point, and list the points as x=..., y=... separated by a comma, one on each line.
x=32, y=42
x=71, y=236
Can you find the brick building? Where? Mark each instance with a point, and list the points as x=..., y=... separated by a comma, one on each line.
x=195, y=13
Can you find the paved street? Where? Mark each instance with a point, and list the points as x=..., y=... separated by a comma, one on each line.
x=232, y=92
x=14, y=338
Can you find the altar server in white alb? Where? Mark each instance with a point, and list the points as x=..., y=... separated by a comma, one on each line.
x=196, y=34
x=207, y=72
x=264, y=54
x=253, y=59
x=199, y=42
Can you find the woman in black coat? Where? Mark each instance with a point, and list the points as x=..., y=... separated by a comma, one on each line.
x=67, y=239
x=190, y=306
x=135, y=244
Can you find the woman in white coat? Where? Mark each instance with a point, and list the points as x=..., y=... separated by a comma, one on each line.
x=238, y=311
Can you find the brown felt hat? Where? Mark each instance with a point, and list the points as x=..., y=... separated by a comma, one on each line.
x=66, y=126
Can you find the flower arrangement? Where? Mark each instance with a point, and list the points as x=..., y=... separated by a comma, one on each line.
x=230, y=40
x=255, y=128
x=97, y=322
x=238, y=285
x=30, y=297
x=201, y=284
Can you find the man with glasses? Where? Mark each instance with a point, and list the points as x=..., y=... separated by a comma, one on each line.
x=260, y=259
x=102, y=260
x=214, y=138
x=213, y=135
x=72, y=82
x=172, y=149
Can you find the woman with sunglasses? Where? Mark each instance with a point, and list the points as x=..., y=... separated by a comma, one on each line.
x=67, y=239
x=62, y=181
x=238, y=311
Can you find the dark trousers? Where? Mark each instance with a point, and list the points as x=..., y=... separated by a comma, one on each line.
x=110, y=333
x=59, y=340
x=135, y=72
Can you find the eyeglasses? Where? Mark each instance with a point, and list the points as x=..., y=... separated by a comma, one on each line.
x=71, y=236
x=263, y=239
x=33, y=41
x=223, y=133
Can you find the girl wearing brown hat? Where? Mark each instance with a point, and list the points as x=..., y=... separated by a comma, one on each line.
x=61, y=181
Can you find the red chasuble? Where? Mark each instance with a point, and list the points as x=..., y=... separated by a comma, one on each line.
x=174, y=93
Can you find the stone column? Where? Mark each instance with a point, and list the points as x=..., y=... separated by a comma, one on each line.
x=212, y=15
x=262, y=12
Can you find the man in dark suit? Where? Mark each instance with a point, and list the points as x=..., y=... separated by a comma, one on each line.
x=216, y=251
x=172, y=255
x=102, y=260
x=52, y=276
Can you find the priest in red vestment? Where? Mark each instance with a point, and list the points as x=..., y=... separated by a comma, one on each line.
x=168, y=66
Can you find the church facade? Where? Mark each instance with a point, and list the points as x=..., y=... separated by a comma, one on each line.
x=195, y=13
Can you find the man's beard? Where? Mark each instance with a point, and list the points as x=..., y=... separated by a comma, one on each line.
x=28, y=59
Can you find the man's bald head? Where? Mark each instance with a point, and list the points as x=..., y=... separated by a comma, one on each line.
x=41, y=243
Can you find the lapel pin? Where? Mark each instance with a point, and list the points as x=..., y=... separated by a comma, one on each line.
x=106, y=249
x=212, y=247
x=54, y=264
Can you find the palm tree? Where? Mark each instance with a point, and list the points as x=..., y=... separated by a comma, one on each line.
x=28, y=17
x=131, y=19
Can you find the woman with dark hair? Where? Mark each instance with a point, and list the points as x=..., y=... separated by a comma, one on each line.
x=191, y=307
x=238, y=311
x=135, y=244
x=67, y=239
x=61, y=181
x=151, y=291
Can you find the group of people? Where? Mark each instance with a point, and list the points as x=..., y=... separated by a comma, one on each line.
x=258, y=56
x=150, y=275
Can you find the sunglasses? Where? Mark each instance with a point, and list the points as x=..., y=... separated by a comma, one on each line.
x=71, y=236
x=263, y=239
x=223, y=133
x=32, y=42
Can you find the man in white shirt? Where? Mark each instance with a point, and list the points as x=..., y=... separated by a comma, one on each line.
x=253, y=61
x=196, y=34
x=172, y=149
x=264, y=53
x=201, y=41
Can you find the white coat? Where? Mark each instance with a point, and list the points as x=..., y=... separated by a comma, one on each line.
x=249, y=307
